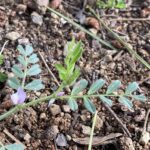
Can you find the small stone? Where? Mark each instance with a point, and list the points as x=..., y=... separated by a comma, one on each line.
x=13, y=36
x=86, y=130
x=66, y=108
x=68, y=137
x=21, y=8
x=145, y=138
x=23, y=41
x=27, y=137
x=42, y=5
x=36, y=18
x=99, y=123
x=54, y=16
x=42, y=116
x=93, y=30
x=55, y=109
x=61, y=140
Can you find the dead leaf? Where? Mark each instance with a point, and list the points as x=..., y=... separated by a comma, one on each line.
x=97, y=140
x=55, y=4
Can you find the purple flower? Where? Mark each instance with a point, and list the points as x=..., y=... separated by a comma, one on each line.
x=60, y=93
x=18, y=97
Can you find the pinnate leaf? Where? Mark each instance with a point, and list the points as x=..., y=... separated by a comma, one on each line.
x=140, y=97
x=96, y=86
x=113, y=86
x=3, y=77
x=79, y=86
x=22, y=60
x=106, y=100
x=15, y=146
x=131, y=88
x=34, y=70
x=14, y=83
x=73, y=104
x=33, y=59
x=35, y=85
x=21, y=50
x=17, y=71
x=126, y=102
x=89, y=105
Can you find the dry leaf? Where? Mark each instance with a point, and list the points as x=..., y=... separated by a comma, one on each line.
x=92, y=22
x=55, y=4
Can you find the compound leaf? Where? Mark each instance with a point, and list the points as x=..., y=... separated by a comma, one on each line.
x=89, y=105
x=1, y=59
x=35, y=85
x=3, y=77
x=60, y=68
x=22, y=60
x=34, y=70
x=106, y=100
x=21, y=50
x=79, y=86
x=72, y=104
x=126, y=102
x=131, y=88
x=113, y=86
x=29, y=49
x=17, y=71
x=14, y=146
x=96, y=86
x=14, y=83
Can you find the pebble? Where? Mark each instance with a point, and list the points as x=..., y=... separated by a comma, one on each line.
x=27, y=137
x=61, y=140
x=42, y=116
x=21, y=8
x=13, y=36
x=145, y=138
x=66, y=108
x=86, y=130
x=42, y=5
x=55, y=109
x=23, y=41
x=36, y=18
x=99, y=123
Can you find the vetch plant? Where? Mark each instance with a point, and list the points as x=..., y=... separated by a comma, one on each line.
x=14, y=146
x=28, y=67
x=111, y=4
x=68, y=74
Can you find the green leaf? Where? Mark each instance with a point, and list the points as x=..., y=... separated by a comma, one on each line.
x=89, y=105
x=79, y=86
x=111, y=3
x=60, y=68
x=29, y=49
x=3, y=77
x=72, y=104
x=14, y=83
x=34, y=70
x=140, y=97
x=106, y=100
x=96, y=86
x=35, y=85
x=21, y=50
x=113, y=86
x=131, y=88
x=17, y=71
x=1, y=59
x=22, y=60
x=126, y=102
x=120, y=4
x=33, y=59
x=14, y=147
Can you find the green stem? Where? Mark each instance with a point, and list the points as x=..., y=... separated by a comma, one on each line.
x=81, y=28
x=130, y=50
x=92, y=131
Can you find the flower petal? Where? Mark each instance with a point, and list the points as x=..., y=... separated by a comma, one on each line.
x=21, y=95
x=15, y=98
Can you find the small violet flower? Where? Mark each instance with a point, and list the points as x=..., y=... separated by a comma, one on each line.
x=60, y=93
x=18, y=97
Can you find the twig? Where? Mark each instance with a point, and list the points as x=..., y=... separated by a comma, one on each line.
x=51, y=73
x=145, y=122
x=92, y=131
x=117, y=119
x=130, y=19
x=3, y=47
x=12, y=137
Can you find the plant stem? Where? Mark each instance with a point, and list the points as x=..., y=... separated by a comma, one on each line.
x=3, y=47
x=81, y=28
x=25, y=73
x=92, y=131
x=130, y=50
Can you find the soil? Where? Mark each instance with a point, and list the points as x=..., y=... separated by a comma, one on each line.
x=39, y=127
